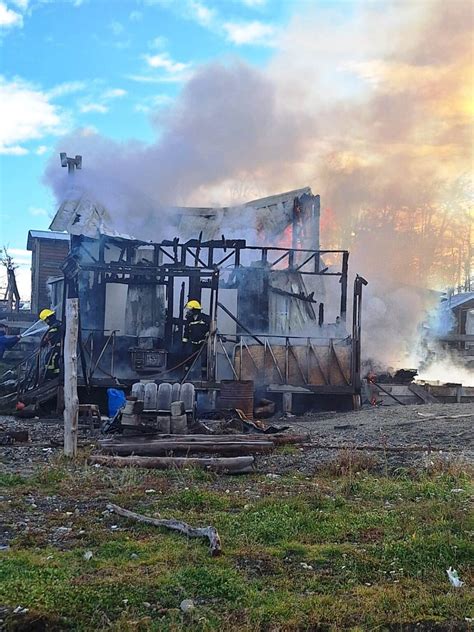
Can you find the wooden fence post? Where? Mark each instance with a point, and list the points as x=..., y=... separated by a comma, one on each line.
x=71, y=399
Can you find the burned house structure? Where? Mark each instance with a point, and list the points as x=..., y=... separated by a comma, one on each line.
x=278, y=310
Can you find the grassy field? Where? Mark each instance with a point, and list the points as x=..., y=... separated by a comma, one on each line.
x=346, y=549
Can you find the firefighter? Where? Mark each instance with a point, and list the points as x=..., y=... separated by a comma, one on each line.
x=6, y=342
x=51, y=342
x=196, y=330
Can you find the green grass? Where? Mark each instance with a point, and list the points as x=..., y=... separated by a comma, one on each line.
x=334, y=552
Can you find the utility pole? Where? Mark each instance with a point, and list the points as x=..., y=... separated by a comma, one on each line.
x=71, y=316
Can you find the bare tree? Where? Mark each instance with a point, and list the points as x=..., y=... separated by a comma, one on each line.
x=12, y=295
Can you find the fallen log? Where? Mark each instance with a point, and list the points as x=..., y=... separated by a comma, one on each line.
x=156, y=448
x=176, y=525
x=233, y=465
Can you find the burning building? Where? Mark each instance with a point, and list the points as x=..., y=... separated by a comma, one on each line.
x=277, y=303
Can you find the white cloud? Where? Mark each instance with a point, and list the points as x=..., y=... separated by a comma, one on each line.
x=21, y=4
x=135, y=16
x=90, y=130
x=152, y=103
x=164, y=61
x=42, y=149
x=20, y=252
x=68, y=87
x=9, y=18
x=143, y=108
x=100, y=108
x=254, y=3
x=158, y=42
x=159, y=79
x=36, y=211
x=116, y=27
x=114, y=93
x=25, y=114
x=13, y=150
x=144, y=78
x=201, y=14
x=249, y=32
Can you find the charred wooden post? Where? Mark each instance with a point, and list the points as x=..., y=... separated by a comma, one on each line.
x=343, y=280
x=359, y=282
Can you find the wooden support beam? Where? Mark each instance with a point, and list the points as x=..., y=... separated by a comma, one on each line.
x=71, y=399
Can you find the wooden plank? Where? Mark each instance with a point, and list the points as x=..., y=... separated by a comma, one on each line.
x=423, y=394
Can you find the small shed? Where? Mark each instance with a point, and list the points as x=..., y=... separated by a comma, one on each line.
x=460, y=307
x=48, y=251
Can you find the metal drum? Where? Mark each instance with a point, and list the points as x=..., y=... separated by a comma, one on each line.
x=237, y=394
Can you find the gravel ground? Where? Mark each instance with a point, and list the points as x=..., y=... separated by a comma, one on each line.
x=390, y=432
x=24, y=458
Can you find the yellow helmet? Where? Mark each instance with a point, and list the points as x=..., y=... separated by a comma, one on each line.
x=46, y=313
x=193, y=305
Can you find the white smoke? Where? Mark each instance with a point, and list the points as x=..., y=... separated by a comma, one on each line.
x=371, y=111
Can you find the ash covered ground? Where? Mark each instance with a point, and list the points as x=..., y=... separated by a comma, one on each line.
x=390, y=437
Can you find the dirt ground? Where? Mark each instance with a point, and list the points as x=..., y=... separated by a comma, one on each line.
x=393, y=437
x=352, y=529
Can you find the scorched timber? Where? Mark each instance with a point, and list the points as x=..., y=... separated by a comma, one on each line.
x=232, y=465
x=156, y=448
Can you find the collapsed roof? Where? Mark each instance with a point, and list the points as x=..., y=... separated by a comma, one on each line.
x=82, y=216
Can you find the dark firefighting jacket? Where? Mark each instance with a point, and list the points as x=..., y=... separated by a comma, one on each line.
x=52, y=341
x=196, y=327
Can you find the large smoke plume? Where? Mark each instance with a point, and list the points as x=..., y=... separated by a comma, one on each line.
x=372, y=111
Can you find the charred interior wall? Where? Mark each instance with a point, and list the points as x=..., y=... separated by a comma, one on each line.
x=253, y=299
x=145, y=304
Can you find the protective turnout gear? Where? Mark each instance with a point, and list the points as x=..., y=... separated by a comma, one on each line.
x=193, y=304
x=52, y=341
x=7, y=342
x=196, y=328
x=45, y=314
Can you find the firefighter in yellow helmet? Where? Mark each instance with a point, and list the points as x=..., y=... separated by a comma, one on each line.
x=196, y=329
x=51, y=343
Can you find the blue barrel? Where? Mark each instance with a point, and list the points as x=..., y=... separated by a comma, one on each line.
x=116, y=400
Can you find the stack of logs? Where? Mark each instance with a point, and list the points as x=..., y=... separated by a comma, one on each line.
x=223, y=453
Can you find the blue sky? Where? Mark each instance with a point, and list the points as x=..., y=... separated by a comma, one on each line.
x=346, y=96
x=104, y=65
